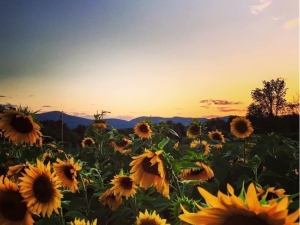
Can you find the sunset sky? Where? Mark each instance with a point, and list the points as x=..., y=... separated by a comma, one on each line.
x=146, y=58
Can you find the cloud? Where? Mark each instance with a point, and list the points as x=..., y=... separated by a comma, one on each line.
x=219, y=102
x=3, y=96
x=46, y=106
x=256, y=9
x=291, y=24
x=30, y=95
x=228, y=109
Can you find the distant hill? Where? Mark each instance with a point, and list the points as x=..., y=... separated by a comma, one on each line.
x=73, y=121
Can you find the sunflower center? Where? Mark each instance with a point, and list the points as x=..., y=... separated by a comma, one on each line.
x=144, y=128
x=196, y=172
x=241, y=127
x=195, y=129
x=216, y=136
x=153, y=169
x=148, y=222
x=126, y=183
x=42, y=189
x=67, y=172
x=21, y=124
x=88, y=142
x=122, y=144
x=12, y=206
x=239, y=219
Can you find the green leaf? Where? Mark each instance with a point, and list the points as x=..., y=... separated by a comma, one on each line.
x=269, y=174
x=162, y=144
x=136, y=145
x=189, y=165
x=74, y=214
x=54, y=219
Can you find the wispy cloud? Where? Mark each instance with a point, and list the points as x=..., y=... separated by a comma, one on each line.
x=3, y=96
x=291, y=24
x=46, y=106
x=228, y=109
x=220, y=102
x=256, y=9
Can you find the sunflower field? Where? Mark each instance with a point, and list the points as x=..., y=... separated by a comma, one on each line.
x=147, y=178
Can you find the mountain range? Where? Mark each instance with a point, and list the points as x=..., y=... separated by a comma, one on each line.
x=73, y=121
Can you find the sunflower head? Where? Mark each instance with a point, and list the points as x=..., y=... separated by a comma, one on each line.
x=110, y=199
x=194, y=130
x=40, y=189
x=202, y=172
x=244, y=209
x=151, y=218
x=270, y=193
x=67, y=173
x=217, y=137
x=99, y=124
x=83, y=222
x=241, y=127
x=122, y=145
x=19, y=128
x=124, y=186
x=13, y=208
x=143, y=129
x=15, y=172
x=87, y=142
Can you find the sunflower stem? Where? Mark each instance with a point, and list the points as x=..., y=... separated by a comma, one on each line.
x=177, y=185
x=85, y=194
x=61, y=216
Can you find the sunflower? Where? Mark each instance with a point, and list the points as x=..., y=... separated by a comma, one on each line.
x=176, y=145
x=99, y=124
x=46, y=157
x=83, y=222
x=123, y=145
x=244, y=209
x=194, y=143
x=124, y=186
x=203, y=174
x=15, y=172
x=205, y=147
x=150, y=219
x=188, y=204
x=39, y=188
x=39, y=142
x=272, y=193
x=87, y=142
x=241, y=127
x=216, y=136
x=194, y=130
x=110, y=199
x=148, y=170
x=19, y=128
x=143, y=130
x=13, y=209
x=67, y=173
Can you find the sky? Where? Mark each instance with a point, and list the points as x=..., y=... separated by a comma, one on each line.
x=193, y=58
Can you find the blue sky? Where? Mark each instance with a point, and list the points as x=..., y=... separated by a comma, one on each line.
x=133, y=58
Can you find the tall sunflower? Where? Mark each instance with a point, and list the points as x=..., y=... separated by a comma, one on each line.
x=122, y=146
x=99, y=124
x=67, y=173
x=148, y=170
x=83, y=222
x=124, y=186
x=244, y=209
x=13, y=209
x=203, y=174
x=216, y=136
x=143, y=130
x=194, y=130
x=40, y=189
x=87, y=142
x=241, y=127
x=110, y=199
x=19, y=128
x=150, y=219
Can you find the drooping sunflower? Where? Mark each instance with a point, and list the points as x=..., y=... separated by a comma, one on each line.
x=67, y=173
x=40, y=189
x=19, y=128
x=13, y=209
x=87, y=142
x=241, y=127
x=143, y=130
x=122, y=146
x=124, y=186
x=244, y=209
x=194, y=130
x=148, y=170
x=15, y=172
x=83, y=222
x=216, y=136
x=205, y=147
x=110, y=199
x=99, y=124
x=188, y=204
x=202, y=174
x=150, y=219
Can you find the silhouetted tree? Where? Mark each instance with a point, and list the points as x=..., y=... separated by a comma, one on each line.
x=270, y=99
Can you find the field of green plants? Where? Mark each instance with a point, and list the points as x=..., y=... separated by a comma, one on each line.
x=146, y=177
